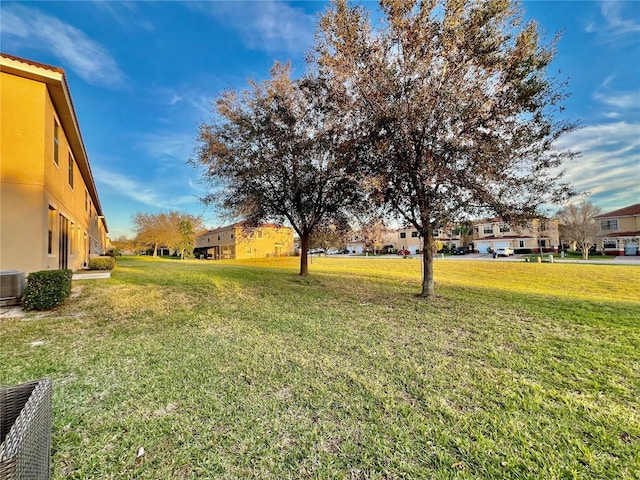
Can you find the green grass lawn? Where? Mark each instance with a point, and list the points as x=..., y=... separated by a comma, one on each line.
x=245, y=370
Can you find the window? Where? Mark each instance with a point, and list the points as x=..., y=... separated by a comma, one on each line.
x=70, y=170
x=403, y=235
x=521, y=244
x=414, y=234
x=609, y=225
x=543, y=243
x=488, y=229
x=249, y=251
x=258, y=233
x=72, y=242
x=505, y=228
x=56, y=142
x=52, y=220
x=609, y=244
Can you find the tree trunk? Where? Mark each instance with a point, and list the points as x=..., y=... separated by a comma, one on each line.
x=427, y=265
x=155, y=249
x=304, y=249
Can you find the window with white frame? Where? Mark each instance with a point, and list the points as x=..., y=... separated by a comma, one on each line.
x=611, y=225
x=56, y=142
x=71, y=162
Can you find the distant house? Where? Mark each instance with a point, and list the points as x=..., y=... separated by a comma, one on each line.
x=50, y=216
x=239, y=242
x=495, y=233
x=620, y=231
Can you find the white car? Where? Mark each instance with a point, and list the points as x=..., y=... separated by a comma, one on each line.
x=503, y=252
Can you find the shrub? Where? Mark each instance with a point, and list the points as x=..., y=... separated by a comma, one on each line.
x=523, y=250
x=102, y=263
x=46, y=289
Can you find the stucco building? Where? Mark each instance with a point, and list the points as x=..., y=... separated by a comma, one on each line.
x=50, y=213
x=238, y=242
x=495, y=233
x=620, y=231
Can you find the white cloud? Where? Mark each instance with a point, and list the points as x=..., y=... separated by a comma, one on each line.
x=126, y=14
x=620, y=100
x=167, y=147
x=618, y=20
x=267, y=25
x=30, y=27
x=147, y=192
x=609, y=163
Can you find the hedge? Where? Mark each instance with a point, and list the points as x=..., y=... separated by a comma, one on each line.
x=46, y=289
x=102, y=263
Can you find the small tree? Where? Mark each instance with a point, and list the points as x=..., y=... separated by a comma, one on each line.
x=123, y=244
x=372, y=230
x=186, y=238
x=277, y=152
x=151, y=229
x=577, y=225
x=331, y=234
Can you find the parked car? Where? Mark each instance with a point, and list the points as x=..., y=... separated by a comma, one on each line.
x=460, y=251
x=503, y=252
x=404, y=252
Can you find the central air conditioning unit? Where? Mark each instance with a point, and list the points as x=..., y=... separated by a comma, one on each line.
x=11, y=287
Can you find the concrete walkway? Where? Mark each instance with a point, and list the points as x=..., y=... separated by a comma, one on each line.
x=91, y=275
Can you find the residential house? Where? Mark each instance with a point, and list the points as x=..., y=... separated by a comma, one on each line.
x=386, y=243
x=494, y=233
x=50, y=213
x=239, y=242
x=409, y=239
x=620, y=231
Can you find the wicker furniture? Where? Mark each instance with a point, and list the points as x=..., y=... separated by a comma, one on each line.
x=25, y=425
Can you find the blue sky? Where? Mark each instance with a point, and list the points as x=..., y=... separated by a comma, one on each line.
x=143, y=76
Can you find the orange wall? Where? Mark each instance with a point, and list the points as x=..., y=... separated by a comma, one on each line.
x=30, y=182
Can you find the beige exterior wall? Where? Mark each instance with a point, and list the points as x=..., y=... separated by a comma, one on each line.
x=625, y=224
x=232, y=242
x=35, y=193
x=496, y=234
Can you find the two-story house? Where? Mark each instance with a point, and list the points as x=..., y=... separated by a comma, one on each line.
x=495, y=233
x=238, y=242
x=409, y=239
x=620, y=231
x=50, y=213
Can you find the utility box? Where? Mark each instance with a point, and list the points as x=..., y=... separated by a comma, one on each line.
x=11, y=287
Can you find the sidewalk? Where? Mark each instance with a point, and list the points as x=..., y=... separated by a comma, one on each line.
x=91, y=276
x=622, y=260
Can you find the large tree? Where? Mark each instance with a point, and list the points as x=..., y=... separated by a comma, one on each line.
x=454, y=99
x=172, y=229
x=277, y=152
x=577, y=224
